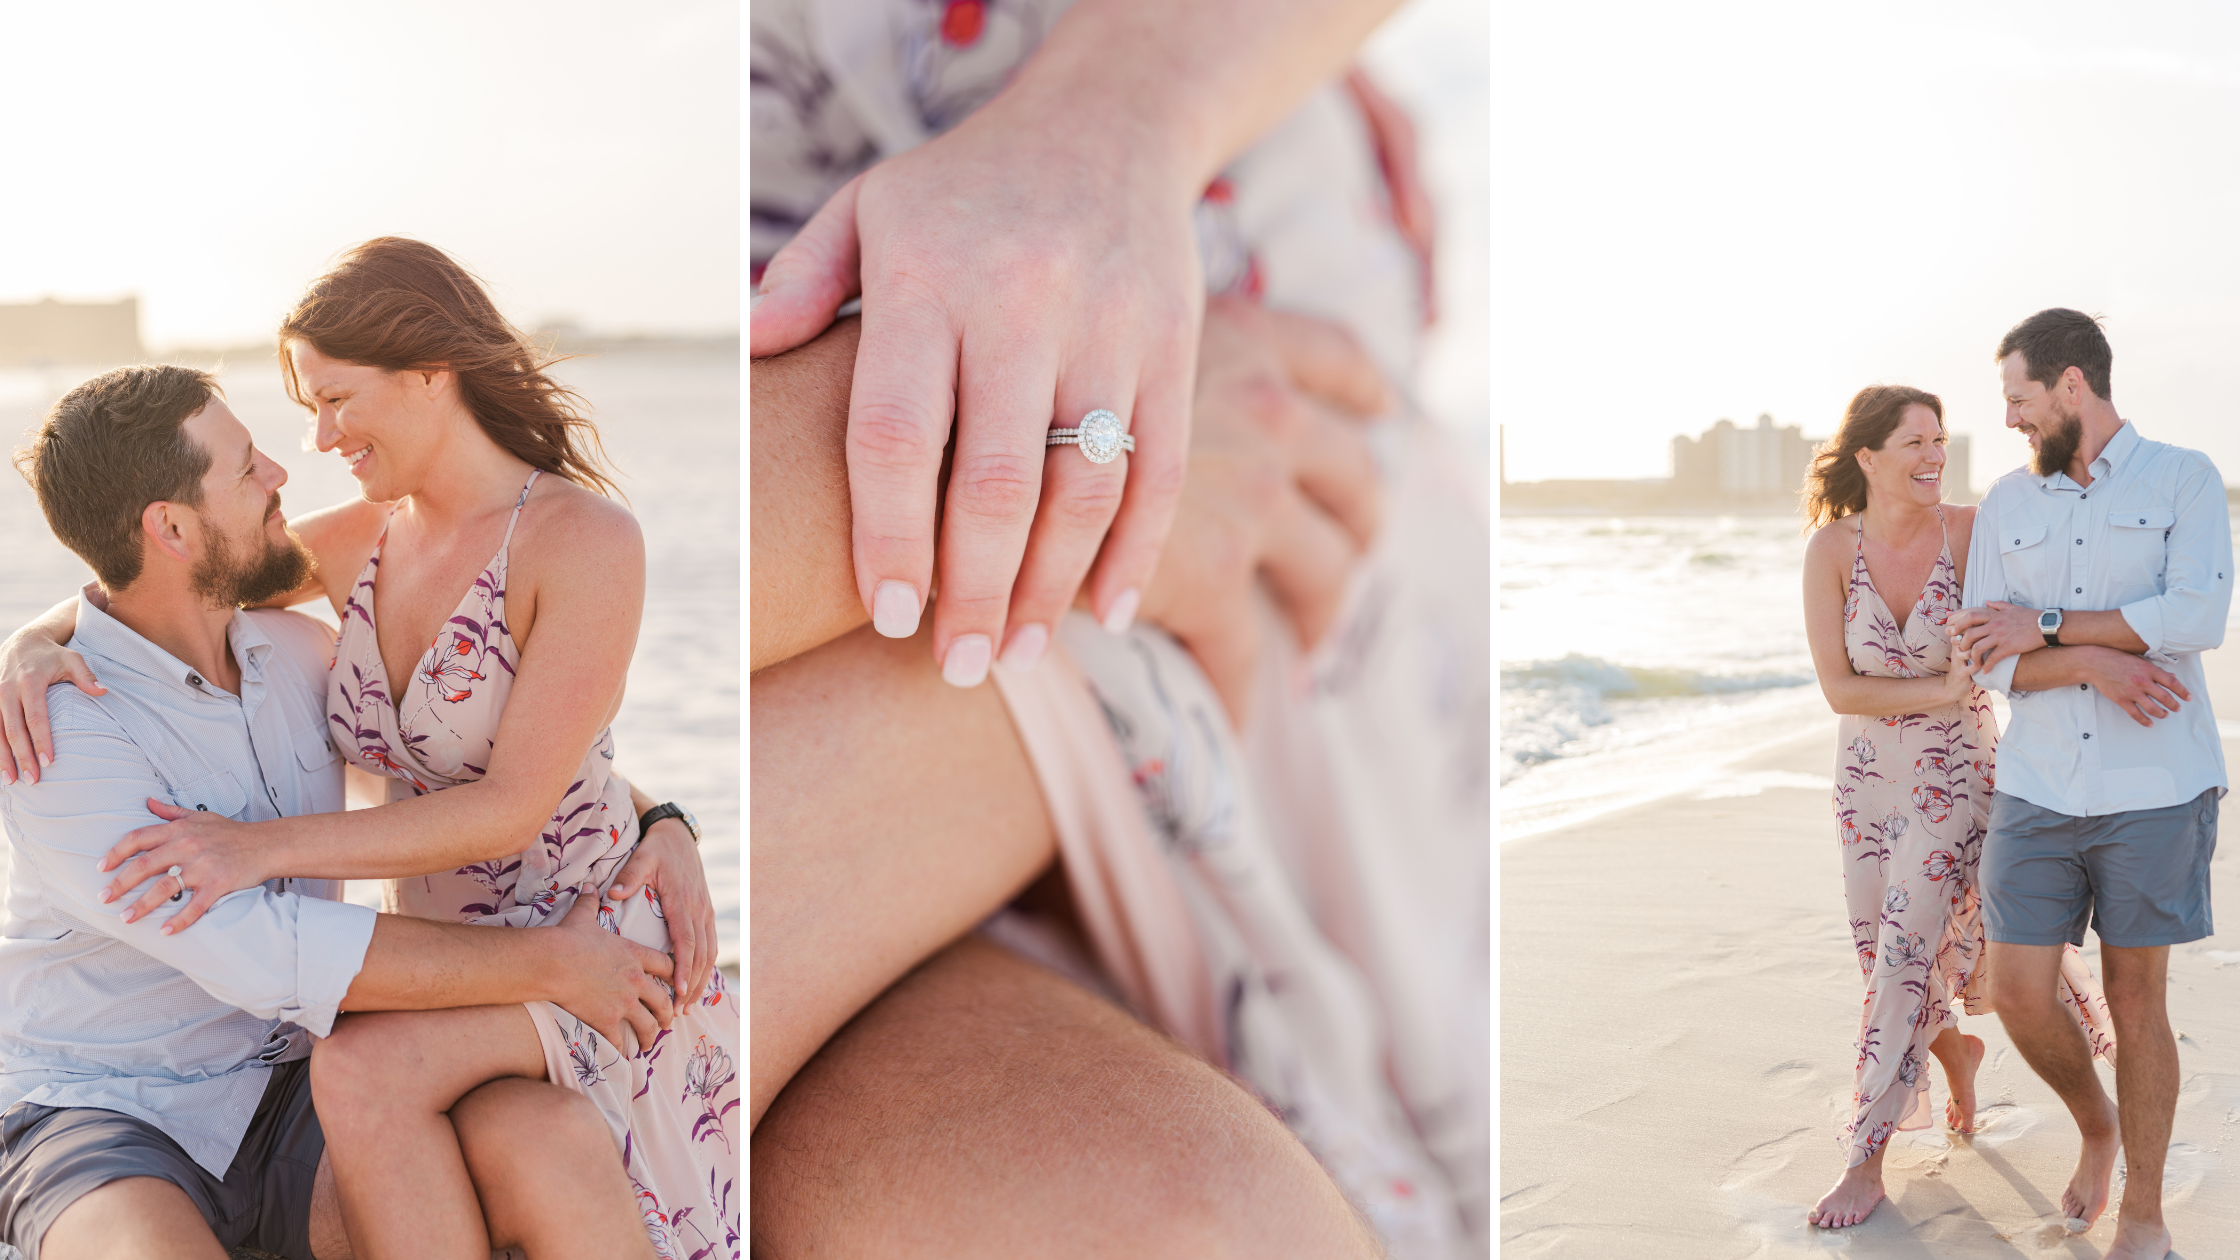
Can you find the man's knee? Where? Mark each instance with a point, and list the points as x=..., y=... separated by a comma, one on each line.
x=135, y=1218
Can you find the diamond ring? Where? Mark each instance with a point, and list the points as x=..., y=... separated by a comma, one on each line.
x=178, y=874
x=1100, y=437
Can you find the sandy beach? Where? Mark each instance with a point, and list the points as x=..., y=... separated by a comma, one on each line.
x=1678, y=1002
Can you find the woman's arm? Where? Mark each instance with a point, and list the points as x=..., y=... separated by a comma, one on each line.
x=1825, y=592
x=578, y=578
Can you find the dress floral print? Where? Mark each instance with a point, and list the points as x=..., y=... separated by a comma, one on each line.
x=672, y=1106
x=1912, y=802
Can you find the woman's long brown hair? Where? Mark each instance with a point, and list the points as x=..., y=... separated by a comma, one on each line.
x=402, y=305
x=1835, y=486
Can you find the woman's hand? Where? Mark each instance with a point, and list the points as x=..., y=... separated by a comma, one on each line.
x=1016, y=275
x=30, y=662
x=212, y=852
x=1959, y=677
x=667, y=864
x=1282, y=486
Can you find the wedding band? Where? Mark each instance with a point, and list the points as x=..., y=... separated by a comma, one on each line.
x=1100, y=437
x=178, y=874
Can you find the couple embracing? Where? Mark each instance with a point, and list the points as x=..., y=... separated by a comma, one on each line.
x=2085, y=588
x=177, y=1074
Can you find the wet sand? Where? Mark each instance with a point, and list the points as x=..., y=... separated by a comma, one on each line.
x=1678, y=1002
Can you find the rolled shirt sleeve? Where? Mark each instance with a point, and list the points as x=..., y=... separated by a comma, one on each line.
x=2189, y=614
x=273, y=954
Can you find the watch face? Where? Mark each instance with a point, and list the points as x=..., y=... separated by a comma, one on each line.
x=2049, y=620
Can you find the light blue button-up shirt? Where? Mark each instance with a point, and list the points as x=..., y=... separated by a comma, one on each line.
x=2149, y=537
x=175, y=1030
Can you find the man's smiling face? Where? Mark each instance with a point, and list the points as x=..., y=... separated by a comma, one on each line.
x=2054, y=428
x=248, y=553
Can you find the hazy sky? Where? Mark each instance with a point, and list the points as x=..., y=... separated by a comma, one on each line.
x=582, y=157
x=1717, y=210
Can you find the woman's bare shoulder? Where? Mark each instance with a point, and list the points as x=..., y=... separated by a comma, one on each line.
x=1831, y=539
x=348, y=526
x=583, y=525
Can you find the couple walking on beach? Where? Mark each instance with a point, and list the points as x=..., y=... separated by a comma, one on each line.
x=2084, y=588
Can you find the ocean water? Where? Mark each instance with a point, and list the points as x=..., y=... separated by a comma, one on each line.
x=1639, y=654
x=670, y=420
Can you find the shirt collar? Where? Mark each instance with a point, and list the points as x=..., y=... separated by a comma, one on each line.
x=104, y=635
x=2112, y=457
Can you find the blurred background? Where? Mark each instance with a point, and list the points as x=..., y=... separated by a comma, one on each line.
x=176, y=176
x=1746, y=212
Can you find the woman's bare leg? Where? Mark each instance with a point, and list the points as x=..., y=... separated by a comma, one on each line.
x=548, y=1173
x=383, y=1086
x=986, y=1106
x=891, y=813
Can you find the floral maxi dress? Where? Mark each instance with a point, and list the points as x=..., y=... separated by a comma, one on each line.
x=1912, y=802
x=670, y=1105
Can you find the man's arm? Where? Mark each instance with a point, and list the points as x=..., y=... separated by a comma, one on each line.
x=284, y=956
x=2189, y=614
x=2137, y=685
x=804, y=589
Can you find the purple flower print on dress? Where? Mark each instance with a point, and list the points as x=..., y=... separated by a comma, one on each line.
x=1862, y=751
x=1905, y=949
x=1940, y=865
x=1933, y=803
x=705, y=1074
x=1896, y=900
x=1909, y=1068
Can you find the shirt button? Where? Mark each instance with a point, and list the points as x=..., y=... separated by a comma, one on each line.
x=194, y=680
x=2088, y=734
x=2084, y=686
x=2080, y=542
x=2080, y=590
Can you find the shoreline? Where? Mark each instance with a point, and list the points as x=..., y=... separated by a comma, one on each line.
x=1679, y=999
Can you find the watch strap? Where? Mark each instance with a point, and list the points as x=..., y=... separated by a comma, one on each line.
x=666, y=810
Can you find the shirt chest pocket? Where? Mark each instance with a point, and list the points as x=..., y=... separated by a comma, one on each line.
x=220, y=793
x=314, y=751
x=2138, y=541
x=2022, y=553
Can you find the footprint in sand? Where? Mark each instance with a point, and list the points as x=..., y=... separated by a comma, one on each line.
x=1785, y=1080
x=2183, y=1171
x=1531, y=1196
x=1764, y=1159
x=2003, y=1122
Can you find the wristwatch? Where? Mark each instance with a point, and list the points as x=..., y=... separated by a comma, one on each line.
x=669, y=809
x=2049, y=625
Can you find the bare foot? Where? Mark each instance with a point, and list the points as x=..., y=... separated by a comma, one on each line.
x=2137, y=1240
x=1960, y=1078
x=1855, y=1195
x=2087, y=1194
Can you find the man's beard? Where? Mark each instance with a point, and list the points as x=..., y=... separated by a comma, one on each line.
x=2058, y=444
x=224, y=580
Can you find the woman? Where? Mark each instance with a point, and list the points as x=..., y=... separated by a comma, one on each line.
x=1882, y=576
x=489, y=595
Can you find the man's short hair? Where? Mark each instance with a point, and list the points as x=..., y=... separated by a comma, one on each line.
x=2053, y=341
x=107, y=450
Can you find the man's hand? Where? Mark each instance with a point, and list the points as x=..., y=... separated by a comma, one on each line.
x=1281, y=486
x=2139, y=687
x=608, y=982
x=1996, y=631
x=667, y=863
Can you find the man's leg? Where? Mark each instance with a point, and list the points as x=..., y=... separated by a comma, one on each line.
x=138, y=1218
x=891, y=813
x=2137, y=981
x=985, y=1106
x=549, y=1174
x=2027, y=980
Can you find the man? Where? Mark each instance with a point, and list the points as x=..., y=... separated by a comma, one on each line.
x=2096, y=578
x=155, y=1098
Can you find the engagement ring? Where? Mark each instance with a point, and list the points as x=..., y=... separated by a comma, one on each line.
x=1099, y=437
x=178, y=874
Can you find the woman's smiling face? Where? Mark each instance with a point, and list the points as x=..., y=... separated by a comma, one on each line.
x=1910, y=465
x=377, y=420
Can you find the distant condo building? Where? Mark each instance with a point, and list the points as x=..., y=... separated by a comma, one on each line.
x=81, y=334
x=1725, y=469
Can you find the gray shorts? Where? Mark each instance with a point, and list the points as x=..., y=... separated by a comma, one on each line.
x=2141, y=877
x=50, y=1157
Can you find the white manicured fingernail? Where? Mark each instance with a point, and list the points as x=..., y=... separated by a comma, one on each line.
x=967, y=662
x=1122, y=614
x=1026, y=646
x=754, y=302
x=894, y=609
